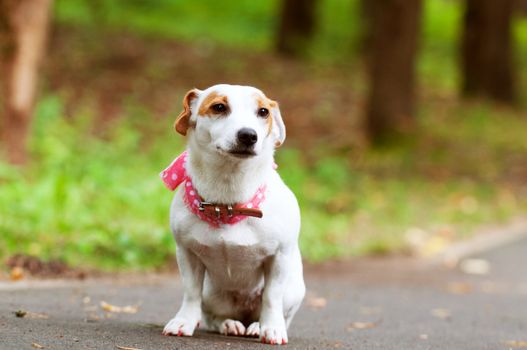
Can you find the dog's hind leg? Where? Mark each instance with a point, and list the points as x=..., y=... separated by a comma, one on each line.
x=222, y=315
x=231, y=313
x=253, y=330
x=292, y=301
x=295, y=292
x=232, y=327
x=224, y=326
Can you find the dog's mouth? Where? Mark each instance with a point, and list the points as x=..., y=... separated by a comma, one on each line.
x=238, y=152
x=242, y=153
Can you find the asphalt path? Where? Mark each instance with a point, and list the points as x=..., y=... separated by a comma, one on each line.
x=389, y=303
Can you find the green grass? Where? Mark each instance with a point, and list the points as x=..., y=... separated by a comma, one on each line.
x=93, y=201
x=96, y=200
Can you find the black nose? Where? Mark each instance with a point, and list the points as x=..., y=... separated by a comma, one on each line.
x=247, y=136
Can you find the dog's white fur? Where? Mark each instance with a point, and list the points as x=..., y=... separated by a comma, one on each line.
x=246, y=278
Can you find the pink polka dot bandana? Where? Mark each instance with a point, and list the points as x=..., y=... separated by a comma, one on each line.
x=175, y=174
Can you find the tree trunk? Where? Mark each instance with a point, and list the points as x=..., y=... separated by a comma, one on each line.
x=23, y=31
x=486, y=60
x=393, y=41
x=297, y=24
x=365, y=23
x=521, y=7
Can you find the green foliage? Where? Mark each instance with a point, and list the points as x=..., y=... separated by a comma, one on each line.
x=231, y=22
x=92, y=201
x=250, y=24
x=93, y=198
x=441, y=39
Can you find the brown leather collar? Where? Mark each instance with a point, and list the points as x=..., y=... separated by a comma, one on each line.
x=217, y=211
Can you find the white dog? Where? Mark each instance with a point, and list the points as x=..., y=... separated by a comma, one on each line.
x=235, y=222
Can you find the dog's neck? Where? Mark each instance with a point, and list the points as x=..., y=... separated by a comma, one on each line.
x=225, y=179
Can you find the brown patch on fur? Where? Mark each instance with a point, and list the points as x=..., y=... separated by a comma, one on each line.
x=264, y=102
x=274, y=105
x=183, y=121
x=213, y=98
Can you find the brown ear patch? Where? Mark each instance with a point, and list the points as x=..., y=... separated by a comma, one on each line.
x=205, y=109
x=264, y=102
x=276, y=118
x=183, y=120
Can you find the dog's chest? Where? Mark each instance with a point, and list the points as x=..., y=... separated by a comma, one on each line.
x=233, y=247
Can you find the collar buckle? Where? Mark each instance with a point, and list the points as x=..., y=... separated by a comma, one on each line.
x=217, y=210
x=202, y=205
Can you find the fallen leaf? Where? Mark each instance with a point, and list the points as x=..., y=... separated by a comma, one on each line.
x=37, y=345
x=36, y=315
x=17, y=273
x=28, y=314
x=126, y=348
x=517, y=343
x=475, y=266
x=459, y=288
x=20, y=313
x=128, y=309
x=362, y=325
x=426, y=244
x=434, y=245
x=316, y=302
x=92, y=318
x=443, y=314
x=416, y=237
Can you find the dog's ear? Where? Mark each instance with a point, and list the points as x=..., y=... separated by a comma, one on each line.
x=278, y=124
x=183, y=120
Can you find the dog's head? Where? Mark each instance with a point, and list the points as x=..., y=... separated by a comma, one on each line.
x=233, y=120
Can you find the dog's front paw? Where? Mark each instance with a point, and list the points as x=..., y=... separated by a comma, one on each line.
x=180, y=327
x=275, y=335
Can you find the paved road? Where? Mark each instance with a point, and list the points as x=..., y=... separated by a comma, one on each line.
x=366, y=304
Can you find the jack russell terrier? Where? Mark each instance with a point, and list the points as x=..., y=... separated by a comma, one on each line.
x=235, y=222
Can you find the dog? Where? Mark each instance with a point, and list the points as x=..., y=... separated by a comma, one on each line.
x=235, y=222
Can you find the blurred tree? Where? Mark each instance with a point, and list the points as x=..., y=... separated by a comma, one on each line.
x=486, y=57
x=23, y=31
x=365, y=17
x=392, y=46
x=297, y=24
x=521, y=6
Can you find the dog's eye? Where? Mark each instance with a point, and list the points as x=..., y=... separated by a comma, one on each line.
x=219, y=108
x=263, y=112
